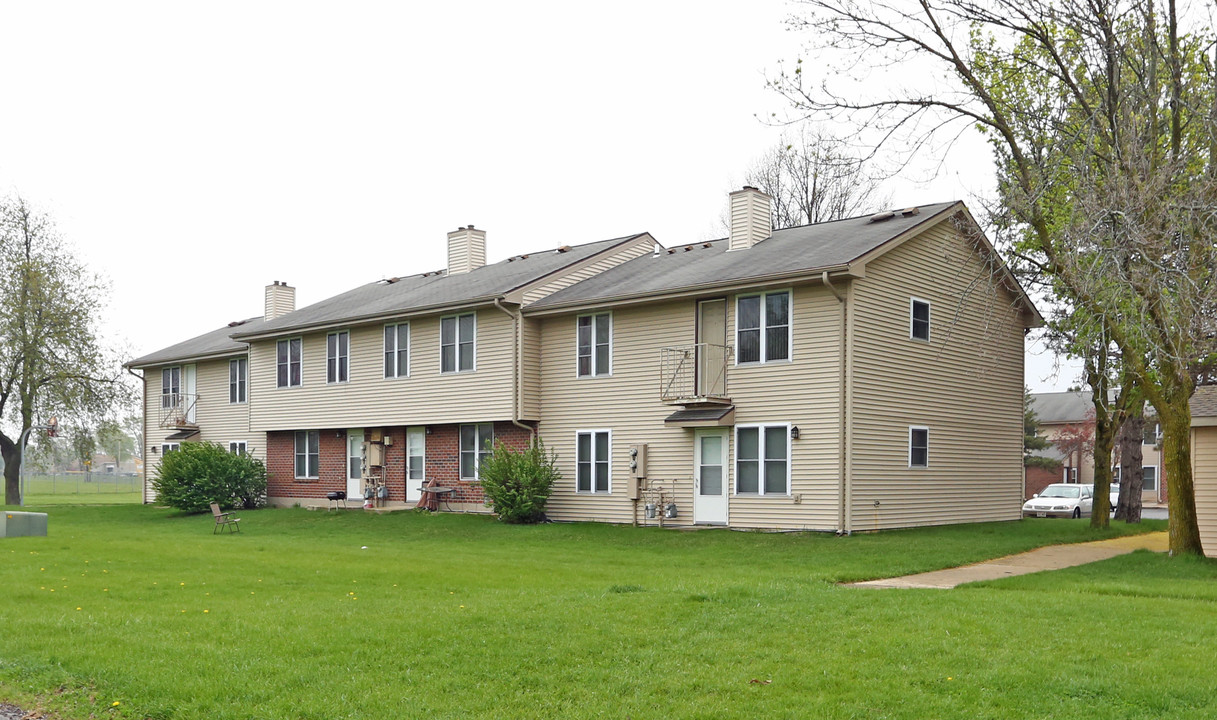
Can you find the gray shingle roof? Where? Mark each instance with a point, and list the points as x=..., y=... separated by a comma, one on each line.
x=792, y=250
x=216, y=342
x=435, y=290
x=1204, y=401
x=1061, y=407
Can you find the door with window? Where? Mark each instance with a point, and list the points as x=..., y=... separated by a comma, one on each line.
x=712, y=348
x=710, y=477
x=416, y=462
x=355, y=464
x=188, y=387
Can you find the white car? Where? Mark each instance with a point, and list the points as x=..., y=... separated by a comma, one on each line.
x=1060, y=500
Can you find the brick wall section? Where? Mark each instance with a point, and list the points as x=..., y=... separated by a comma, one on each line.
x=281, y=466
x=1039, y=478
x=444, y=461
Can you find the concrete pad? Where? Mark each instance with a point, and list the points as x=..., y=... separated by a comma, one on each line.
x=1053, y=557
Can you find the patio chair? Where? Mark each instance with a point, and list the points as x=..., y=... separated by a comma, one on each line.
x=224, y=520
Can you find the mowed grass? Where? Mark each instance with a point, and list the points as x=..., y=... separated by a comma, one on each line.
x=453, y=616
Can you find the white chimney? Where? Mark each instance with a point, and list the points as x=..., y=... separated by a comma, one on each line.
x=466, y=250
x=280, y=300
x=751, y=219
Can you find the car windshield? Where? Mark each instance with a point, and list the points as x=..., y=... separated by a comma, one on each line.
x=1061, y=491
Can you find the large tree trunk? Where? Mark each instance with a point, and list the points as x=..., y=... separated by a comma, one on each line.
x=1132, y=477
x=12, y=471
x=1104, y=439
x=1176, y=419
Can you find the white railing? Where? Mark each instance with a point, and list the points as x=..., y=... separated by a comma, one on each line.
x=177, y=409
x=694, y=373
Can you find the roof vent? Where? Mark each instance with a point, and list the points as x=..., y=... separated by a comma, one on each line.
x=881, y=216
x=564, y=248
x=909, y=212
x=237, y=323
x=389, y=281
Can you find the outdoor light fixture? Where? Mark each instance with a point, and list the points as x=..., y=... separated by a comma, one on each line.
x=794, y=432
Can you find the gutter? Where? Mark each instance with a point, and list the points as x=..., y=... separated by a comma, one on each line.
x=842, y=445
x=517, y=366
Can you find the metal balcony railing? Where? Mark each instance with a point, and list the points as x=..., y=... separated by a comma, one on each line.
x=693, y=374
x=177, y=410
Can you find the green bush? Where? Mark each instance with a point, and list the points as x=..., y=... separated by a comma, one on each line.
x=200, y=473
x=518, y=483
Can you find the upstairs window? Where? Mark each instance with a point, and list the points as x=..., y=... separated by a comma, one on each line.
x=762, y=327
x=919, y=319
x=308, y=454
x=287, y=362
x=595, y=338
x=592, y=461
x=1153, y=434
x=338, y=357
x=457, y=337
x=762, y=460
x=397, y=350
x=238, y=380
x=171, y=387
x=477, y=442
x=919, y=447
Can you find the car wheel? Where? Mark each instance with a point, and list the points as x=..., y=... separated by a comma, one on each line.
x=1077, y=513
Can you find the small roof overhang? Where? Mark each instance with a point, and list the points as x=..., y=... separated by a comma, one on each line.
x=718, y=416
x=184, y=434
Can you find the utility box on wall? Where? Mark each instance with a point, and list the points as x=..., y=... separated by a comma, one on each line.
x=638, y=461
x=22, y=524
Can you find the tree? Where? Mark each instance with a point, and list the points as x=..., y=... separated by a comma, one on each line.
x=1132, y=476
x=1031, y=438
x=1076, y=440
x=50, y=360
x=83, y=443
x=112, y=437
x=1102, y=117
x=813, y=177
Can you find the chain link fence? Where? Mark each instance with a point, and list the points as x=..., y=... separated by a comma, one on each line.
x=81, y=488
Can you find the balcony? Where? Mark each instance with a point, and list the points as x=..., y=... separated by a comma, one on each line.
x=177, y=410
x=694, y=374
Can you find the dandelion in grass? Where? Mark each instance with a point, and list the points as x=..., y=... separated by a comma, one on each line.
x=115, y=704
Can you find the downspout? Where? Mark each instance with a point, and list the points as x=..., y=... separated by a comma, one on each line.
x=517, y=365
x=143, y=424
x=842, y=485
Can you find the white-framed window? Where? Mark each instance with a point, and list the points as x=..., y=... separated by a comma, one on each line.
x=338, y=357
x=308, y=454
x=919, y=446
x=919, y=319
x=238, y=380
x=1149, y=481
x=593, y=467
x=762, y=327
x=238, y=447
x=1153, y=434
x=477, y=442
x=594, y=352
x=169, y=447
x=397, y=350
x=458, y=335
x=171, y=387
x=287, y=362
x=762, y=459
x=416, y=453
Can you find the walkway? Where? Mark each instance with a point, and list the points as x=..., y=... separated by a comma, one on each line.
x=1053, y=557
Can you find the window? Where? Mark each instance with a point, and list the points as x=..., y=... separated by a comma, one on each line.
x=308, y=454
x=171, y=387
x=762, y=460
x=919, y=447
x=337, y=357
x=238, y=380
x=1149, y=482
x=397, y=350
x=762, y=327
x=169, y=447
x=456, y=342
x=595, y=340
x=592, y=461
x=919, y=319
x=416, y=450
x=477, y=441
x=288, y=363
x=1153, y=434
x=237, y=448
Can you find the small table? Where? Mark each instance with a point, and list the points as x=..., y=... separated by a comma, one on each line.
x=441, y=495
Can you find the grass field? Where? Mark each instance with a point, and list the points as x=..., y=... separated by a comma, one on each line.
x=77, y=489
x=131, y=612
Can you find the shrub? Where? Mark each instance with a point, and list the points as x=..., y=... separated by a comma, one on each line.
x=200, y=473
x=518, y=483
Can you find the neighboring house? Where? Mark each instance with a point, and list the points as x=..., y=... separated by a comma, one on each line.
x=854, y=375
x=1059, y=410
x=1204, y=464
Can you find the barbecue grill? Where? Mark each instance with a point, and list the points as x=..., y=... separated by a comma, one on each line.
x=336, y=497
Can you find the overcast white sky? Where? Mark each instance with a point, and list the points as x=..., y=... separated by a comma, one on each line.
x=193, y=154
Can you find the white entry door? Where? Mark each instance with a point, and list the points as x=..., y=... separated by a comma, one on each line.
x=416, y=459
x=355, y=464
x=710, y=477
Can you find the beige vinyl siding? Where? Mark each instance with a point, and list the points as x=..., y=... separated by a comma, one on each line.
x=218, y=420
x=1204, y=476
x=803, y=393
x=965, y=385
x=530, y=406
x=639, y=247
x=369, y=399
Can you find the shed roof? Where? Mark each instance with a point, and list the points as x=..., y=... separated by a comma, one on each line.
x=1061, y=407
x=216, y=343
x=1204, y=402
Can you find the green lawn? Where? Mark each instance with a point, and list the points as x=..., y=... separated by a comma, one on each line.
x=79, y=489
x=459, y=616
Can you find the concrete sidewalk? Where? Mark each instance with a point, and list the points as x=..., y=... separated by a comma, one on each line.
x=1054, y=557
